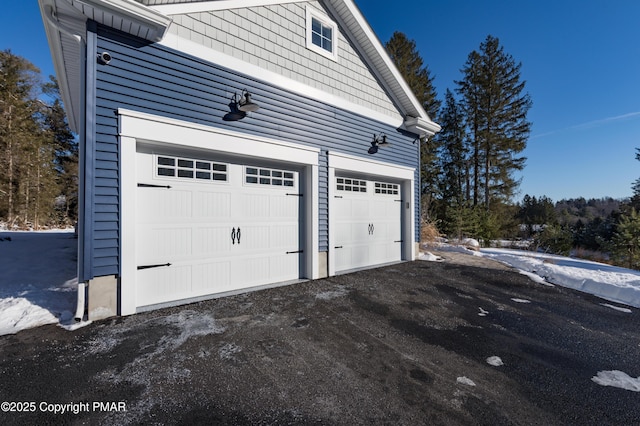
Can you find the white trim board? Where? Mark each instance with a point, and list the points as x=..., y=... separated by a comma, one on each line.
x=339, y=160
x=136, y=127
x=149, y=127
x=211, y=55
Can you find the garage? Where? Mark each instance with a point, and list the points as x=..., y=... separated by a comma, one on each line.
x=371, y=213
x=207, y=212
x=368, y=223
x=207, y=226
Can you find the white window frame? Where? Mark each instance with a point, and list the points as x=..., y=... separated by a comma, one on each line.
x=176, y=167
x=328, y=22
x=293, y=179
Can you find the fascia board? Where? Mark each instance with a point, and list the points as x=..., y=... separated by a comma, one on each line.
x=212, y=6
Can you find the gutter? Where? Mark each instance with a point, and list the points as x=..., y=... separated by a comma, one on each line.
x=51, y=18
x=422, y=127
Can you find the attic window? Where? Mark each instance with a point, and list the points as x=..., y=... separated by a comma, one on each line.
x=322, y=34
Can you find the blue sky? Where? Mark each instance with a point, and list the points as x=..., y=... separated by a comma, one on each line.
x=581, y=61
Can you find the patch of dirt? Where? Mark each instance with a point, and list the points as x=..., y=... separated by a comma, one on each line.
x=468, y=259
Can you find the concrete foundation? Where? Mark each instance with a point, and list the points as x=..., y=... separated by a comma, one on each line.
x=323, y=264
x=103, y=297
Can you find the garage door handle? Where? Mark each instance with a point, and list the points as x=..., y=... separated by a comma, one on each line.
x=149, y=185
x=153, y=266
x=338, y=247
x=235, y=235
x=371, y=229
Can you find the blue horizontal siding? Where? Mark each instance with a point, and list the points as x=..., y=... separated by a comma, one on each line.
x=157, y=80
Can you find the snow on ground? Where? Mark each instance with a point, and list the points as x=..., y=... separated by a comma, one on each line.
x=38, y=280
x=465, y=381
x=609, y=282
x=618, y=379
x=612, y=283
x=496, y=361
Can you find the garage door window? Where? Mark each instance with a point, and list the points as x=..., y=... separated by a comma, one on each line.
x=189, y=168
x=351, y=185
x=386, y=188
x=272, y=177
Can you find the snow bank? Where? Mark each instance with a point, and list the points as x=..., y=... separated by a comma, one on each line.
x=609, y=282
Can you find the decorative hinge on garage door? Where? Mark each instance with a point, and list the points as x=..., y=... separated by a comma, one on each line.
x=399, y=241
x=153, y=266
x=149, y=185
x=295, y=195
x=293, y=252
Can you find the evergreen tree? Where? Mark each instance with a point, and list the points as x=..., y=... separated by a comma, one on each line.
x=496, y=114
x=635, y=199
x=65, y=150
x=626, y=241
x=37, y=148
x=404, y=54
x=453, y=154
x=18, y=129
x=536, y=211
x=470, y=88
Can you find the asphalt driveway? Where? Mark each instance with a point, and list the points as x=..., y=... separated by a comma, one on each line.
x=406, y=344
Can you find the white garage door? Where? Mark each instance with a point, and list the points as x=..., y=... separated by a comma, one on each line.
x=368, y=223
x=207, y=227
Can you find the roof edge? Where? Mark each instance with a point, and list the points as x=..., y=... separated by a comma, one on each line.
x=157, y=22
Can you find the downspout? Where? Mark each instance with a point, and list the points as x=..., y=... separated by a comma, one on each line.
x=51, y=18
